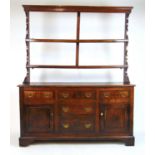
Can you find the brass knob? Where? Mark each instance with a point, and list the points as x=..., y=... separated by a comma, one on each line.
x=51, y=114
x=65, y=109
x=88, y=125
x=66, y=125
x=65, y=95
x=101, y=114
x=88, y=95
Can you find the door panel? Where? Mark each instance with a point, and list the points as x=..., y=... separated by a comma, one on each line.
x=114, y=118
x=39, y=119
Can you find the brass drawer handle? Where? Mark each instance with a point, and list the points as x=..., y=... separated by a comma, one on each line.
x=66, y=125
x=106, y=95
x=30, y=95
x=47, y=95
x=124, y=94
x=65, y=109
x=88, y=109
x=65, y=95
x=88, y=95
x=88, y=125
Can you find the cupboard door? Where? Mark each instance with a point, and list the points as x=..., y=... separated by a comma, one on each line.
x=114, y=118
x=39, y=119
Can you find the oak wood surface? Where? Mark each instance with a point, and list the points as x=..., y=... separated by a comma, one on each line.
x=61, y=8
x=77, y=40
x=76, y=112
x=74, y=67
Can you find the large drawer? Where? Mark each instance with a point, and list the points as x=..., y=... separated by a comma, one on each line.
x=77, y=125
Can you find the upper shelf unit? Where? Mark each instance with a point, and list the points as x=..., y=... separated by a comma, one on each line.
x=78, y=10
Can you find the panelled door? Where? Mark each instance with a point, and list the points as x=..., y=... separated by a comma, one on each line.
x=39, y=118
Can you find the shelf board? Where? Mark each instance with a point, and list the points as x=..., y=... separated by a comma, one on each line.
x=77, y=67
x=78, y=41
x=70, y=8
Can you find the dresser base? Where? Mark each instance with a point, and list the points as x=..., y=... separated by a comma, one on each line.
x=127, y=140
x=95, y=112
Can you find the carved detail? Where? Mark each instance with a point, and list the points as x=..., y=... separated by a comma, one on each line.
x=27, y=77
x=126, y=78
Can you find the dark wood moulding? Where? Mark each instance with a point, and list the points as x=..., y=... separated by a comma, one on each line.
x=77, y=67
x=78, y=41
x=61, y=8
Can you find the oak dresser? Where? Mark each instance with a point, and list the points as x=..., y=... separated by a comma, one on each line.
x=74, y=111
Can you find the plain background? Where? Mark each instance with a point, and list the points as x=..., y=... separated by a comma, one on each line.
x=136, y=74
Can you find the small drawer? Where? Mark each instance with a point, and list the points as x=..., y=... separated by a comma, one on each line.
x=66, y=94
x=89, y=95
x=47, y=97
x=115, y=96
x=38, y=97
x=82, y=108
x=31, y=96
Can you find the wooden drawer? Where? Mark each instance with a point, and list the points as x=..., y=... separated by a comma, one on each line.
x=77, y=94
x=77, y=124
x=114, y=96
x=66, y=94
x=38, y=97
x=77, y=108
x=87, y=94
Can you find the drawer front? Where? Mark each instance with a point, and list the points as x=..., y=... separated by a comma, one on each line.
x=38, y=97
x=77, y=125
x=77, y=94
x=114, y=96
x=77, y=108
x=87, y=94
x=66, y=94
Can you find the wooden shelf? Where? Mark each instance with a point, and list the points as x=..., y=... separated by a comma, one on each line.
x=78, y=41
x=77, y=67
x=60, y=8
